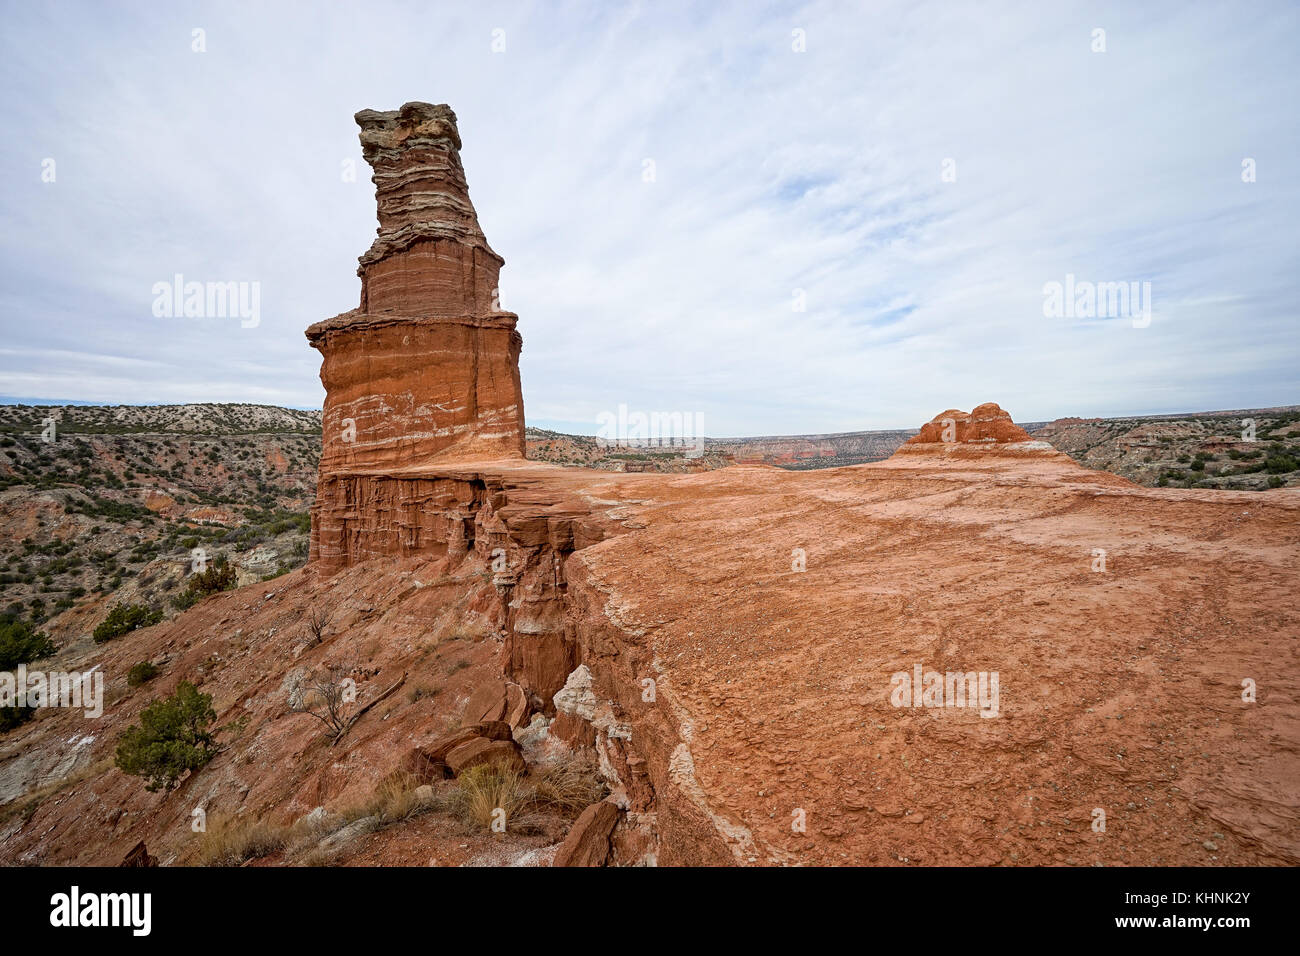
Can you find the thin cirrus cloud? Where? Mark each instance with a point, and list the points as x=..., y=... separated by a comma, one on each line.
x=797, y=264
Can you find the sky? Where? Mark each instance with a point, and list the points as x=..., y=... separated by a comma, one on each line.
x=778, y=218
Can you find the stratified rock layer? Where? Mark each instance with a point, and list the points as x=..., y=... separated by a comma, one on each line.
x=427, y=368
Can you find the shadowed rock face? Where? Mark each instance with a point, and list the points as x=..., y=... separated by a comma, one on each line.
x=427, y=368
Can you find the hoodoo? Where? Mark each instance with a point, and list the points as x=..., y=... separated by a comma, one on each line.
x=428, y=366
x=426, y=370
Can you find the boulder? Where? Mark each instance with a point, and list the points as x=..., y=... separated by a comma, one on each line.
x=496, y=730
x=422, y=767
x=588, y=841
x=139, y=856
x=573, y=730
x=486, y=703
x=480, y=750
x=439, y=749
x=517, y=706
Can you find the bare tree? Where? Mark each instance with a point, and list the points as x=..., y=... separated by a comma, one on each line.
x=328, y=696
x=317, y=620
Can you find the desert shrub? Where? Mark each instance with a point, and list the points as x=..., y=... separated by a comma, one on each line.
x=171, y=738
x=1276, y=481
x=185, y=600
x=326, y=696
x=11, y=717
x=1280, y=464
x=141, y=673
x=125, y=618
x=316, y=621
x=219, y=576
x=21, y=643
x=420, y=691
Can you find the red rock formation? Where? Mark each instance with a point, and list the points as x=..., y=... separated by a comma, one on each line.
x=987, y=423
x=588, y=841
x=427, y=368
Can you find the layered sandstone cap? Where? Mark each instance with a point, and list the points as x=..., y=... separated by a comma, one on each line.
x=419, y=181
x=429, y=256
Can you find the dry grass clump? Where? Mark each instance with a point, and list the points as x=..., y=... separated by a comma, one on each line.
x=393, y=801
x=232, y=841
x=420, y=691
x=566, y=788
x=479, y=794
x=318, y=857
x=569, y=787
x=482, y=790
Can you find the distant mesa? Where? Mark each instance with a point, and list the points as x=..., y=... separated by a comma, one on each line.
x=987, y=424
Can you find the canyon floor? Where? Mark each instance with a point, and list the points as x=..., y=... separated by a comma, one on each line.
x=769, y=736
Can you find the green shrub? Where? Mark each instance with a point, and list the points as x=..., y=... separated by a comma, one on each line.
x=219, y=576
x=141, y=673
x=21, y=643
x=11, y=717
x=171, y=738
x=185, y=600
x=124, y=618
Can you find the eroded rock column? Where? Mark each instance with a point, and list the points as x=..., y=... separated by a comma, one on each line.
x=427, y=368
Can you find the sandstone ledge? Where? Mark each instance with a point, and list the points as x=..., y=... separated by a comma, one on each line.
x=356, y=319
